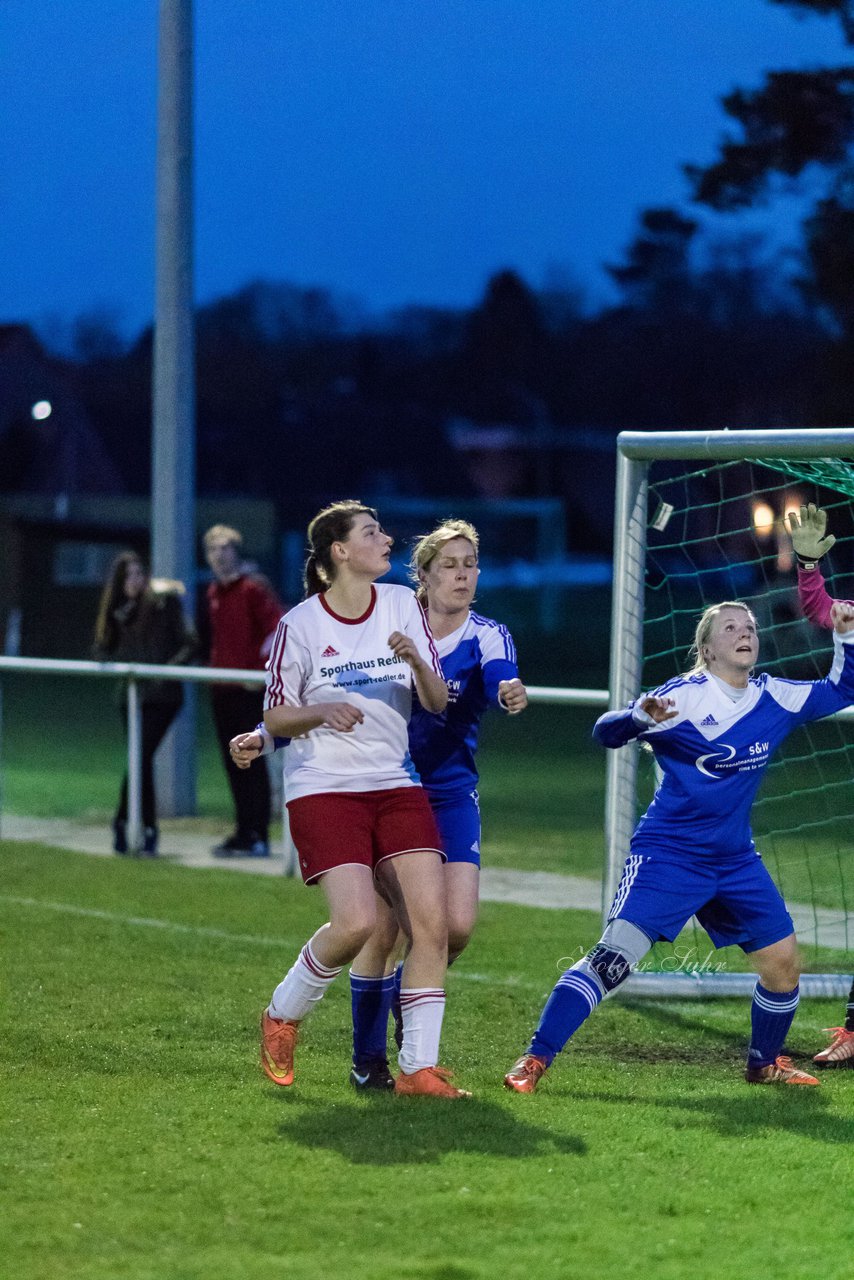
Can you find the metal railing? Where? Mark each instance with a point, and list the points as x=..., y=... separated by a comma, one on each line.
x=134, y=672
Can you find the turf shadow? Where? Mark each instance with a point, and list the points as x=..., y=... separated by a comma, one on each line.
x=801, y=1111
x=386, y=1131
x=669, y=1017
x=731, y=1047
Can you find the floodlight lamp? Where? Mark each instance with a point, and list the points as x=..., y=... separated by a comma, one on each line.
x=763, y=519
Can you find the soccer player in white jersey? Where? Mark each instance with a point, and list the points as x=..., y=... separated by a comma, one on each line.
x=341, y=675
x=713, y=732
x=478, y=660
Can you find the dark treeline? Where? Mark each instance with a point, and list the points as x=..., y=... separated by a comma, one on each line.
x=291, y=387
x=299, y=395
x=294, y=393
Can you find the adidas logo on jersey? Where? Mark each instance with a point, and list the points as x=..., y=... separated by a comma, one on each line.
x=329, y=652
x=708, y=720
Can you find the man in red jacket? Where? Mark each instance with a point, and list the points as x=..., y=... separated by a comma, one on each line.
x=244, y=612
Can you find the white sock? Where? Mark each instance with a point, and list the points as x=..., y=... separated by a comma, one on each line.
x=301, y=988
x=423, y=1009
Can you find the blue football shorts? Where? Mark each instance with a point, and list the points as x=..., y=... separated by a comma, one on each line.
x=458, y=820
x=736, y=901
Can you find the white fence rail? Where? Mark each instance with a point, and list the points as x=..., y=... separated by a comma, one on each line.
x=135, y=672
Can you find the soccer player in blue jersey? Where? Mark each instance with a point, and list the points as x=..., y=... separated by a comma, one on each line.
x=478, y=660
x=713, y=732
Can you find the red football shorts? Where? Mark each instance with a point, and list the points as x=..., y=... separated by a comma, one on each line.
x=342, y=828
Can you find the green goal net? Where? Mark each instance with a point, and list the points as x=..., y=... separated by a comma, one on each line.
x=692, y=531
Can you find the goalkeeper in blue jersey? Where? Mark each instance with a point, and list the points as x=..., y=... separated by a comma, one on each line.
x=713, y=732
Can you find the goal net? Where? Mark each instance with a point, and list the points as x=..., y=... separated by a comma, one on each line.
x=699, y=519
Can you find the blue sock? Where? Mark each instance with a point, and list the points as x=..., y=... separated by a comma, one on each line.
x=395, y=1005
x=573, y=1000
x=771, y=1016
x=370, y=999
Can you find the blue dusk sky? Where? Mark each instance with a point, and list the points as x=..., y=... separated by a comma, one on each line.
x=395, y=151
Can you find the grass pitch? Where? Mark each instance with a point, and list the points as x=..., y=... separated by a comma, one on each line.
x=140, y=1140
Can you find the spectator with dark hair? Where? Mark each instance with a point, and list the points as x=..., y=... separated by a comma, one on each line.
x=243, y=611
x=142, y=620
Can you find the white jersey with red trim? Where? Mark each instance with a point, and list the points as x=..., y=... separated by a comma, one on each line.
x=318, y=656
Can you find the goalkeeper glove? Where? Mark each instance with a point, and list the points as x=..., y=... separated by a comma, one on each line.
x=809, y=535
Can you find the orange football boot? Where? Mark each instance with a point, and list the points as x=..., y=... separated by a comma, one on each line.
x=524, y=1075
x=433, y=1082
x=840, y=1049
x=780, y=1071
x=278, y=1041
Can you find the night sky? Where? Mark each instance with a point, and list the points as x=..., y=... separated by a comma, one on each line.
x=393, y=150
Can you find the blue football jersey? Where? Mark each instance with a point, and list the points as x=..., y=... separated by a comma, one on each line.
x=475, y=659
x=714, y=753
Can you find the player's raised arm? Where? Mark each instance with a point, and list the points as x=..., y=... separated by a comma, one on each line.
x=842, y=616
x=616, y=728
x=810, y=540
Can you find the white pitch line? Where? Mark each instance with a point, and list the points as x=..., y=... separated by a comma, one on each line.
x=204, y=931
x=549, y=890
x=113, y=917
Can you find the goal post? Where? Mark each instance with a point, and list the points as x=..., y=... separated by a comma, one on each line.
x=687, y=534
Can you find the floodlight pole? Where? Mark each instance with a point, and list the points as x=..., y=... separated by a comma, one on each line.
x=173, y=388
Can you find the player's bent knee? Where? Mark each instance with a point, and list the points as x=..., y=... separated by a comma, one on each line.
x=384, y=935
x=432, y=944
x=621, y=947
x=352, y=933
x=457, y=943
x=779, y=966
x=779, y=976
x=358, y=939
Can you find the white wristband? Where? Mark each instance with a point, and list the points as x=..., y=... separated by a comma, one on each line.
x=642, y=717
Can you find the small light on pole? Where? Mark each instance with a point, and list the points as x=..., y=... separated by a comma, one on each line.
x=763, y=519
x=792, y=502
